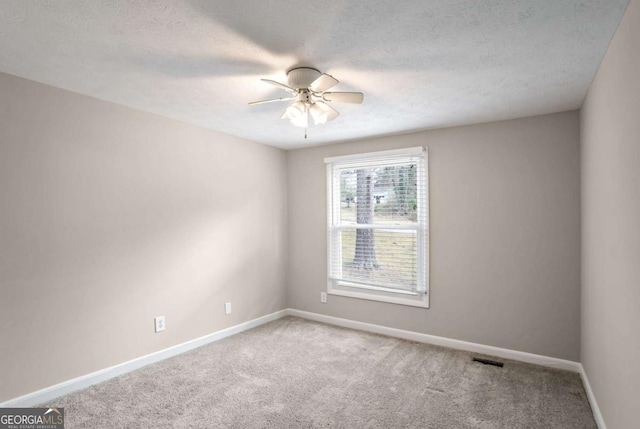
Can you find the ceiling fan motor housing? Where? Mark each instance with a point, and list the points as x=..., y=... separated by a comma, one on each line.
x=302, y=77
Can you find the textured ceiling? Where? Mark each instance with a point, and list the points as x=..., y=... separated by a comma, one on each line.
x=421, y=64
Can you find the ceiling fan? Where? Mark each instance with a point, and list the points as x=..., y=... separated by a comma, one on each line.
x=309, y=88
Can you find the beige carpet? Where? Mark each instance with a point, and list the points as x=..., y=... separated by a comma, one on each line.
x=293, y=373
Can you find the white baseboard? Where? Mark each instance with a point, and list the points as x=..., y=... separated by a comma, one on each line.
x=66, y=387
x=597, y=415
x=441, y=341
x=82, y=382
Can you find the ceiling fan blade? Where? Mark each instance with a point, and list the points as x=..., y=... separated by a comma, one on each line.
x=271, y=100
x=343, y=97
x=323, y=83
x=280, y=85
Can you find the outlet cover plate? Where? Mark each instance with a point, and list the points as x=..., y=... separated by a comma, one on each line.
x=159, y=322
x=227, y=308
x=323, y=297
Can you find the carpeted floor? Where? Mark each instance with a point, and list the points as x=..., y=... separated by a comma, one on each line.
x=293, y=373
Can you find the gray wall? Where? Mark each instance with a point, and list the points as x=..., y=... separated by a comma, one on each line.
x=611, y=228
x=505, y=235
x=111, y=216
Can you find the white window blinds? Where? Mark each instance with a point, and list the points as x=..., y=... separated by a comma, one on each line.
x=378, y=221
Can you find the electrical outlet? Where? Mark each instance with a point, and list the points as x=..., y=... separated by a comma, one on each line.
x=227, y=308
x=159, y=322
x=323, y=297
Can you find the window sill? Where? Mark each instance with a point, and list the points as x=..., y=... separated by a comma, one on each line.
x=421, y=300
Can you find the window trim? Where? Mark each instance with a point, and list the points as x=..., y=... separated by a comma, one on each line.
x=341, y=287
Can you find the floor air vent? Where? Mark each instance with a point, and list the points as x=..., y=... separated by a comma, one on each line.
x=488, y=362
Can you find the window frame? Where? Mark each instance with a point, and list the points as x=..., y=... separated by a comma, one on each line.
x=360, y=290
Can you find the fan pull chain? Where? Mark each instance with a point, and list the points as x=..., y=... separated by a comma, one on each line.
x=305, y=132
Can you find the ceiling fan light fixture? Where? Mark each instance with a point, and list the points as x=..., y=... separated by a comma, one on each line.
x=295, y=111
x=319, y=115
x=298, y=114
x=302, y=120
x=327, y=113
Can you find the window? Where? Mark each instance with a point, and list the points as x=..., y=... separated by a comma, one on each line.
x=378, y=234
